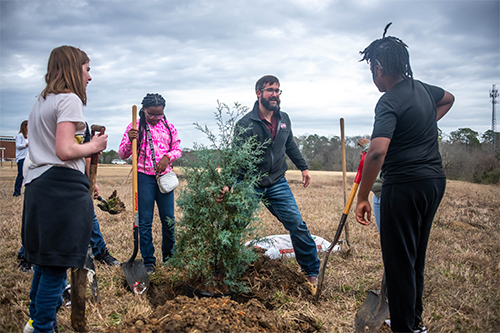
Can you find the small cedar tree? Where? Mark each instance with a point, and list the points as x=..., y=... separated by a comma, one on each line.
x=211, y=234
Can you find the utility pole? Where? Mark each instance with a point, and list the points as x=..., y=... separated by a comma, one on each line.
x=493, y=96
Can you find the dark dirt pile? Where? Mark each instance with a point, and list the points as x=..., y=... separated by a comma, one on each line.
x=271, y=282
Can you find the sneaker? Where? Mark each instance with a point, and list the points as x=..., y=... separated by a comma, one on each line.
x=420, y=329
x=66, y=295
x=28, y=328
x=150, y=269
x=24, y=265
x=107, y=258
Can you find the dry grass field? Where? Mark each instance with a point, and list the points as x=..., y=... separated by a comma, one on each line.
x=462, y=290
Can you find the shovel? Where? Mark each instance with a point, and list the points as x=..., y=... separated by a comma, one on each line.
x=374, y=310
x=94, y=158
x=89, y=261
x=347, y=207
x=92, y=277
x=134, y=269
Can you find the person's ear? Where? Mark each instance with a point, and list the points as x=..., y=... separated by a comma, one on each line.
x=259, y=94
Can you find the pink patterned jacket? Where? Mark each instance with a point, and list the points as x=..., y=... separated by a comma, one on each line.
x=161, y=142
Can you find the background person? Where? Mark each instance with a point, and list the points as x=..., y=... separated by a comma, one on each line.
x=404, y=143
x=377, y=186
x=58, y=211
x=97, y=243
x=21, y=152
x=167, y=149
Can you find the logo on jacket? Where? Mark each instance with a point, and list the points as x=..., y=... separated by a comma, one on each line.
x=283, y=125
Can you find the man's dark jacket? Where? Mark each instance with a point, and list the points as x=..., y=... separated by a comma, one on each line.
x=273, y=165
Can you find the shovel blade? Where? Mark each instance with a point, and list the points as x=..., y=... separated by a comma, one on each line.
x=372, y=313
x=136, y=275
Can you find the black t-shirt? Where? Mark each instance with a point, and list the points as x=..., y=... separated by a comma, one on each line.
x=407, y=114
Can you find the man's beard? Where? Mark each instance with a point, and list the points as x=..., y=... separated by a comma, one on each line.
x=267, y=104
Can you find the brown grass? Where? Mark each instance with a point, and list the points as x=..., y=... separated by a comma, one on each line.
x=462, y=273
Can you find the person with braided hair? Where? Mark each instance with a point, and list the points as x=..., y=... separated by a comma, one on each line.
x=404, y=144
x=158, y=145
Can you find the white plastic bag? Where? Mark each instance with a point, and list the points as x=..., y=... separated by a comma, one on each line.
x=281, y=245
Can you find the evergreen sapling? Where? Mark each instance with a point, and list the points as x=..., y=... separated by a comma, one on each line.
x=211, y=234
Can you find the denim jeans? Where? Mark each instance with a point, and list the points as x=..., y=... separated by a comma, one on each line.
x=21, y=252
x=280, y=201
x=96, y=240
x=47, y=287
x=149, y=193
x=376, y=210
x=19, y=178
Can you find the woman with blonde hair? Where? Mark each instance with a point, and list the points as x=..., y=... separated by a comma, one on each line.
x=21, y=152
x=58, y=210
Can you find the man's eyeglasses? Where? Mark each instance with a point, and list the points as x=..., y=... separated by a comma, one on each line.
x=271, y=91
x=153, y=116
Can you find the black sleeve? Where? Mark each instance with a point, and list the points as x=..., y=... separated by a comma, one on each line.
x=293, y=151
x=436, y=93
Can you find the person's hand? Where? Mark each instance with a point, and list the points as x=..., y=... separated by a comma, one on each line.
x=100, y=142
x=224, y=190
x=133, y=133
x=162, y=165
x=363, y=207
x=306, y=178
x=96, y=191
x=362, y=142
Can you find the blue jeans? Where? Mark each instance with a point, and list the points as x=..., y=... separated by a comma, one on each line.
x=19, y=178
x=376, y=210
x=21, y=252
x=96, y=240
x=149, y=193
x=47, y=287
x=280, y=201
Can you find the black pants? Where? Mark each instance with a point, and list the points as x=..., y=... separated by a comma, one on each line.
x=406, y=214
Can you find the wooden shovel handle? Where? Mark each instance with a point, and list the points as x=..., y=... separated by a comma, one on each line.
x=94, y=159
x=135, y=203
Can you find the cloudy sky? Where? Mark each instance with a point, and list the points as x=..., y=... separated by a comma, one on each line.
x=196, y=52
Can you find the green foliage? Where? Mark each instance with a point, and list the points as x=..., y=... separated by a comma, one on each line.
x=487, y=177
x=211, y=234
x=107, y=156
x=466, y=136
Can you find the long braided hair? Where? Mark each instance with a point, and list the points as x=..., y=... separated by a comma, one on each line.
x=147, y=101
x=391, y=54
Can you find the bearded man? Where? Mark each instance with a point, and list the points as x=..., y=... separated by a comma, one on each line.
x=273, y=128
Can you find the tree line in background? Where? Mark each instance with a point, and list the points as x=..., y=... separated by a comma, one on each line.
x=466, y=155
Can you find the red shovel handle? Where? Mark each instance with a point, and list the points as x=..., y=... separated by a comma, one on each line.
x=360, y=169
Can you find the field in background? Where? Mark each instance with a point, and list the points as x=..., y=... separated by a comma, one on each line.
x=462, y=292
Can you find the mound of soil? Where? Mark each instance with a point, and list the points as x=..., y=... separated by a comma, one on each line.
x=272, y=284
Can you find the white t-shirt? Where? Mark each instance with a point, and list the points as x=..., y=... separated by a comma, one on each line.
x=43, y=120
x=21, y=148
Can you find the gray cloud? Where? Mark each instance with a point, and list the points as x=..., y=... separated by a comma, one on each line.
x=197, y=52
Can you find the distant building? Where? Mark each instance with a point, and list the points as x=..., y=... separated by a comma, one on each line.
x=7, y=147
